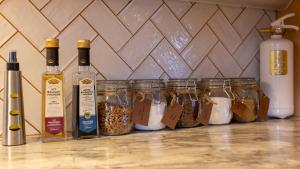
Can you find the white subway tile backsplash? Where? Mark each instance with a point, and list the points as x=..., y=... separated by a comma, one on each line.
x=60, y=13
x=199, y=14
x=138, y=12
x=205, y=70
x=107, y=61
x=149, y=69
x=199, y=47
x=170, y=60
x=231, y=13
x=78, y=29
x=1, y=119
x=140, y=45
x=130, y=39
x=7, y=30
x=171, y=28
x=271, y=14
x=247, y=21
x=29, y=129
x=179, y=8
x=39, y=3
x=248, y=48
x=2, y=71
x=31, y=61
x=224, y=30
x=107, y=25
x=252, y=69
x=224, y=61
x=28, y=20
x=32, y=105
x=116, y=5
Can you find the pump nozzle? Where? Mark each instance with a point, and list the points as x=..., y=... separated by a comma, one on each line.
x=279, y=23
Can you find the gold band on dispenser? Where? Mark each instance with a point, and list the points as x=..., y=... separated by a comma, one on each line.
x=265, y=30
x=83, y=44
x=52, y=43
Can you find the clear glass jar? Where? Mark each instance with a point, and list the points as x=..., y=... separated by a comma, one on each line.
x=114, y=107
x=245, y=92
x=184, y=91
x=219, y=92
x=153, y=90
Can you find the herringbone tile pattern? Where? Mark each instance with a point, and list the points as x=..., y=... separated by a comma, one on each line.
x=130, y=39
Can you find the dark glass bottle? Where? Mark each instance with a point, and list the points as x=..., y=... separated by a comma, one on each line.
x=84, y=110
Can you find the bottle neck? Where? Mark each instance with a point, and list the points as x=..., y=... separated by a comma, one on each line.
x=83, y=68
x=52, y=69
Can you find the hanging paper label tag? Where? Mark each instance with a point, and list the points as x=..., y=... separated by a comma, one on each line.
x=264, y=102
x=205, y=114
x=172, y=115
x=240, y=109
x=141, y=111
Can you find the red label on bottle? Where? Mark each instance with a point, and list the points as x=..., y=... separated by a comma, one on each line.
x=54, y=125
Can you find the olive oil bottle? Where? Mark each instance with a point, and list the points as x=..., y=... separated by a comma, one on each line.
x=53, y=109
x=84, y=106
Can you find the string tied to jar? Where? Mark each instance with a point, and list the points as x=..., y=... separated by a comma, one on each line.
x=194, y=89
x=228, y=90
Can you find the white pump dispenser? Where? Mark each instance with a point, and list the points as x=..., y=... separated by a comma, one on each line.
x=277, y=69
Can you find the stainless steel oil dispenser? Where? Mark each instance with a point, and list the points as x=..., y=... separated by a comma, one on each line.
x=13, y=114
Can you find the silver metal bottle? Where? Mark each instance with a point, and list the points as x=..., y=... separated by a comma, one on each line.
x=13, y=114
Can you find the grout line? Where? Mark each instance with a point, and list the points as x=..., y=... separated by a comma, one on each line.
x=204, y=57
x=192, y=5
x=232, y=24
x=178, y=20
x=20, y=32
x=33, y=126
x=45, y=5
x=72, y=20
x=117, y=18
x=32, y=85
x=71, y=60
x=44, y=16
x=164, y=71
x=147, y=56
x=227, y=49
x=177, y=52
x=206, y=23
x=123, y=7
x=99, y=72
x=140, y=28
x=247, y=66
x=243, y=40
x=13, y=35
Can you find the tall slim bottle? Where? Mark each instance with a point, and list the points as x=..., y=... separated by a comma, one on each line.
x=84, y=106
x=13, y=113
x=53, y=113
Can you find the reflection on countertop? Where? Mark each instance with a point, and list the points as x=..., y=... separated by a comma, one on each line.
x=272, y=144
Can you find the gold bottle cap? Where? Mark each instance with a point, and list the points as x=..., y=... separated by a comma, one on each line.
x=52, y=43
x=83, y=44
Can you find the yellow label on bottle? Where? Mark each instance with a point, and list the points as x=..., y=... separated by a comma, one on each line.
x=278, y=62
x=14, y=112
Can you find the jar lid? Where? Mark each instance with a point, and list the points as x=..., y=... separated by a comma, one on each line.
x=247, y=82
x=215, y=82
x=182, y=83
x=52, y=43
x=112, y=85
x=148, y=84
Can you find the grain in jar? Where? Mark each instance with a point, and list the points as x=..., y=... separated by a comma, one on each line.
x=245, y=93
x=185, y=93
x=114, y=107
